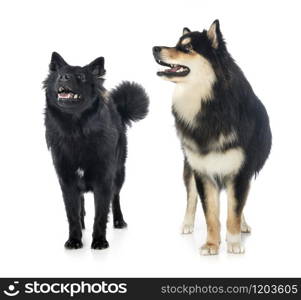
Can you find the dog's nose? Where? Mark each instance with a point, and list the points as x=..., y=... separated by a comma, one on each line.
x=156, y=49
x=64, y=77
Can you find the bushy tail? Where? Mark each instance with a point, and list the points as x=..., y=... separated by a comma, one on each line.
x=131, y=101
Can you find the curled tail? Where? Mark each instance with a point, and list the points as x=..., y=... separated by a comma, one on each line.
x=131, y=101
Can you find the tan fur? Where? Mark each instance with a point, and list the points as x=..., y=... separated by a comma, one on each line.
x=245, y=228
x=172, y=53
x=186, y=41
x=212, y=218
x=192, y=197
x=193, y=89
x=182, y=58
x=211, y=33
x=234, y=223
x=233, y=220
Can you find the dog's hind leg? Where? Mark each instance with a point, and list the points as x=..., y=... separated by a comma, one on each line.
x=82, y=211
x=245, y=228
x=237, y=191
x=209, y=194
x=103, y=193
x=117, y=213
x=188, y=223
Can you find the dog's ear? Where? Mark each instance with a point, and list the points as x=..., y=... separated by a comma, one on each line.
x=214, y=34
x=186, y=30
x=56, y=62
x=97, y=67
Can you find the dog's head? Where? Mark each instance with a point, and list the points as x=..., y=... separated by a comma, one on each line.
x=71, y=88
x=191, y=58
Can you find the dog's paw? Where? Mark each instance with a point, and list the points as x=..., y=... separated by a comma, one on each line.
x=119, y=224
x=100, y=243
x=209, y=249
x=73, y=244
x=245, y=228
x=235, y=248
x=187, y=228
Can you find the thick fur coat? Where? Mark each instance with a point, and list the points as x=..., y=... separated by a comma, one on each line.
x=86, y=133
x=223, y=128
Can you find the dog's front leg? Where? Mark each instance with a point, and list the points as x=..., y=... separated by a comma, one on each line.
x=71, y=196
x=209, y=194
x=102, y=197
x=237, y=191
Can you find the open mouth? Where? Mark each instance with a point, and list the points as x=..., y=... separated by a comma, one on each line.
x=66, y=96
x=172, y=70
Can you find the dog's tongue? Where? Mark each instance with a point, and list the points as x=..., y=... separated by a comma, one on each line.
x=174, y=69
x=65, y=95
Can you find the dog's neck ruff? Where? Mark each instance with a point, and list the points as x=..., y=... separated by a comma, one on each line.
x=188, y=96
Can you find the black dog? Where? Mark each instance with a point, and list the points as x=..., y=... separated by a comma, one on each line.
x=223, y=127
x=86, y=133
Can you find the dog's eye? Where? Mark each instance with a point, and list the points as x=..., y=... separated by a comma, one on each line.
x=81, y=77
x=188, y=47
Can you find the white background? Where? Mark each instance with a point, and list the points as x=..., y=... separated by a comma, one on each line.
x=263, y=37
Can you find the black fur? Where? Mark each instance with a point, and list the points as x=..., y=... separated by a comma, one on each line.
x=88, y=134
x=234, y=106
x=128, y=109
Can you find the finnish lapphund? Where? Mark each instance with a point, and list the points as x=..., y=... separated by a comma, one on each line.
x=223, y=128
x=86, y=133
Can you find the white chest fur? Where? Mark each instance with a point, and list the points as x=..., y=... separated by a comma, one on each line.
x=189, y=95
x=187, y=100
x=216, y=163
x=80, y=172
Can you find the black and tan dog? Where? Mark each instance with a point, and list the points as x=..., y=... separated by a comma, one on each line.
x=223, y=127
